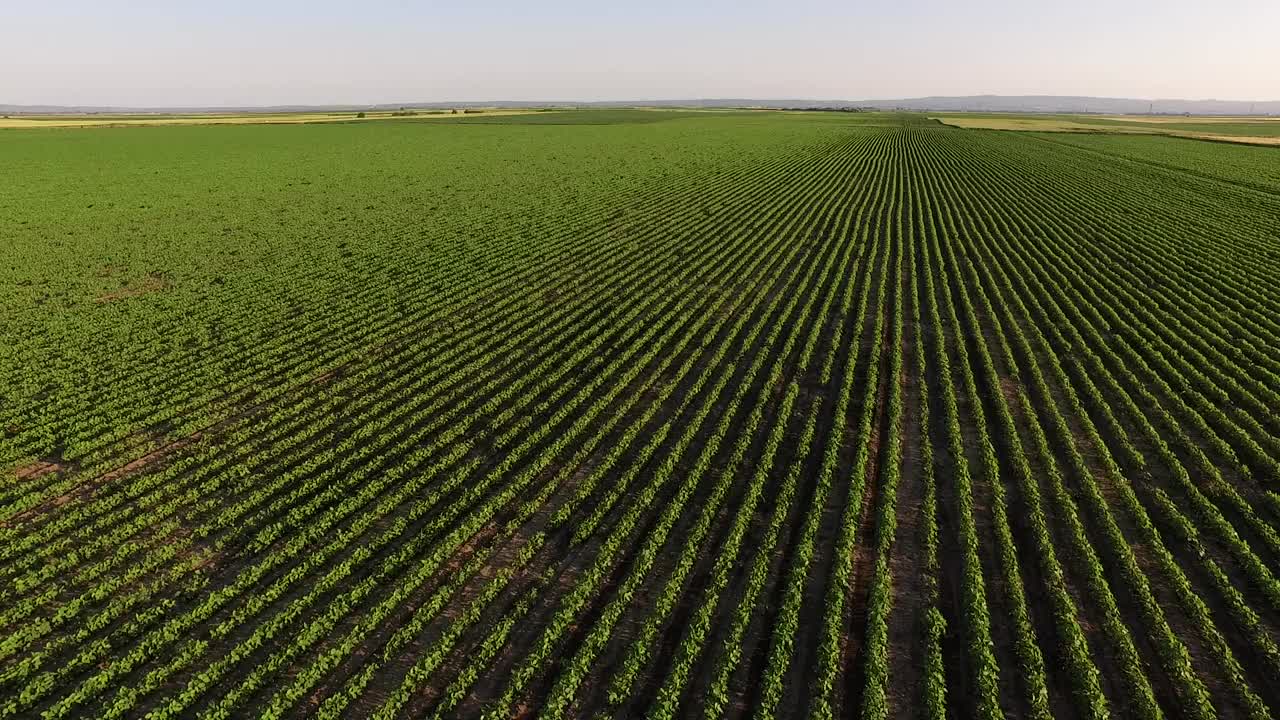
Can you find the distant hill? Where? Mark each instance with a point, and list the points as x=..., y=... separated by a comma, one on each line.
x=1079, y=104
x=964, y=103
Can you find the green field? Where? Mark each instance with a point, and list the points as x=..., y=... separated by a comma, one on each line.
x=631, y=413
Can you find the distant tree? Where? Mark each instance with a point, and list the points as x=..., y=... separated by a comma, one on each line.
x=453, y=111
x=360, y=114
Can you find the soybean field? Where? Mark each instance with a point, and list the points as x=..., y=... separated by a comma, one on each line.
x=638, y=413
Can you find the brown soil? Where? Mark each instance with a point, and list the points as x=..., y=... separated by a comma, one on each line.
x=145, y=286
x=150, y=458
x=908, y=593
x=853, y=658
x=39, y=468
x=87, y=487
x=1011, y=390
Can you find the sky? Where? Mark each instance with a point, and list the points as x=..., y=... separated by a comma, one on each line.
x=274, y=52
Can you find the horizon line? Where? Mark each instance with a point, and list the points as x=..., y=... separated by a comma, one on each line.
x=674, y=101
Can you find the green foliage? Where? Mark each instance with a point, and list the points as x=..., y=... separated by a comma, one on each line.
x=636, y=412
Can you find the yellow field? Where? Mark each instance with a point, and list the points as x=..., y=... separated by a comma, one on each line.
x=1046, y=124
x=82, y=121
x=1144, y=125
x=1172, y=119
x=1245, y=139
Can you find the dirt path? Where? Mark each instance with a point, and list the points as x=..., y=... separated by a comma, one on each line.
x=906, y=561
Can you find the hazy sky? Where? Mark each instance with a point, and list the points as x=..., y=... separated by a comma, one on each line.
x=254, y=52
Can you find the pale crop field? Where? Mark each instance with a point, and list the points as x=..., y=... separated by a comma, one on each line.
x=89, y=121
x=1254, y=130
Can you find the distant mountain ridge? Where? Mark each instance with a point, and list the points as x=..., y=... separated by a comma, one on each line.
x=961, y=103
x=1081, y=104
